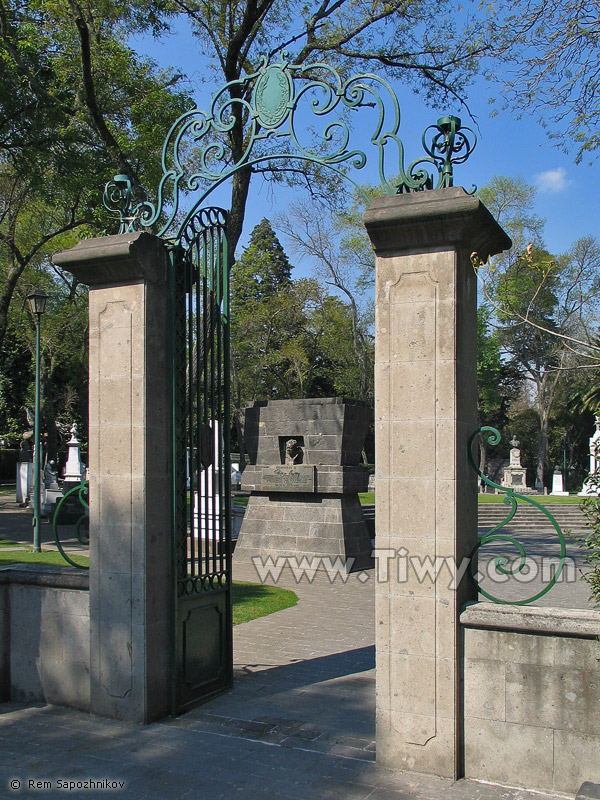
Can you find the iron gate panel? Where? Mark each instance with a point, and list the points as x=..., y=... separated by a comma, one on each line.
x=203, y=649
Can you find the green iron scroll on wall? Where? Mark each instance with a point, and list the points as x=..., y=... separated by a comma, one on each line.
x=495, y=534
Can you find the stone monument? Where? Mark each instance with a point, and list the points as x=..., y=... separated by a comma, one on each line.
x=591, y=487
x=52, y=492
x=515, y=475
x=25, y=469
x=304, y=478
x=74, y=472
x=558, y=489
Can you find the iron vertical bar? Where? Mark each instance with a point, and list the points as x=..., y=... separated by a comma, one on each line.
x=207, y=323
x=226, y=409
x=213, y=366
x=191, y=443
x=221, y=474
x=175, y=460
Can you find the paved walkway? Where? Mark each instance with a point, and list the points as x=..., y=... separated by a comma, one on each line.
x=298, y=724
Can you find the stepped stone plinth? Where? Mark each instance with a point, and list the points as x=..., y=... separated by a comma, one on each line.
x=304, y=478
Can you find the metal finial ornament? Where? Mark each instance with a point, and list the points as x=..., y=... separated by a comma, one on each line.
x=294, y=112
x=118, y=198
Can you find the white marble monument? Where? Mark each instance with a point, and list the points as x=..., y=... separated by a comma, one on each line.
x=591, y=487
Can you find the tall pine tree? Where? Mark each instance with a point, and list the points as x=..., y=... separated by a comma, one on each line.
x=263, y=269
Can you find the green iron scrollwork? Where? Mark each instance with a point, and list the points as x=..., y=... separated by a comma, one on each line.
x=77, y=495
x=280, y=103
x=493, y=536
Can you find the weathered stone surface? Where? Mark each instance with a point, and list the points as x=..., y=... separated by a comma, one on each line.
x=309, y=509
x=288, y=479
x=577, y=622
x=537, y=685
x=425, y=496
x=46, y=648
x=326, y=480
x=130, y=464
x=333, y=430
x=304, y=525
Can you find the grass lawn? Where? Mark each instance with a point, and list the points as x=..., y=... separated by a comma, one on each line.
x=545, y=500
x=8, y=557
x=366, y=498
x=250, y=600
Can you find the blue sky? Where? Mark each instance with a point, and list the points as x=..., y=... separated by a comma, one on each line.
x=567, y=194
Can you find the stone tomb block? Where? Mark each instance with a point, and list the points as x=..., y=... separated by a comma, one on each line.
x=304, y=477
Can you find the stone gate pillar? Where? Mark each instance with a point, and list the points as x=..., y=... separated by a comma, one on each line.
x=426, y=492
x=130, y=472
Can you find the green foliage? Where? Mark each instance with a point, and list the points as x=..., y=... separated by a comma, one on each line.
x=497, y=380
x=77, y=104
x=550, y=56
x=263, y=269
x=545, y=308
x=590, y=542
x=289, y=338
x=511, y=200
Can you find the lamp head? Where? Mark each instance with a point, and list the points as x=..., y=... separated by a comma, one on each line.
x=37, y=300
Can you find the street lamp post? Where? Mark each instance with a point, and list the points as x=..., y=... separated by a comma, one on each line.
x=37, y=305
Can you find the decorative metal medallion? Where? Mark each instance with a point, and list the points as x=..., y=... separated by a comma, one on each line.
x=501, y=562
x=272, y=97
x=282, y=105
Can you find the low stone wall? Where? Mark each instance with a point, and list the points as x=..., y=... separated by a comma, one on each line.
x=45, y=636
x=531, y=696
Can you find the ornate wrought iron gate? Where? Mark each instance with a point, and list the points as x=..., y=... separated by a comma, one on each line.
x=202, y=473
x=280, y=101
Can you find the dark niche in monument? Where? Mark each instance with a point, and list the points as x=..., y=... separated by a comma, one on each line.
x=304, y=477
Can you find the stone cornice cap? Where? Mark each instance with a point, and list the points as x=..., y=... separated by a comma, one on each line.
x=113, y=260
x=434, y=218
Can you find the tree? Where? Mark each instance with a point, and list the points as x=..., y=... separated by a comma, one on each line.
x=498, y=382
x=337, y=251
x=510, y=200
x=288, y=337
x=76, y=105
x=263, y=268
x=552, y=51
x=544, y=305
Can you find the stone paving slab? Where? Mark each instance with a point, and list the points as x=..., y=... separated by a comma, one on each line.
x=171, y=761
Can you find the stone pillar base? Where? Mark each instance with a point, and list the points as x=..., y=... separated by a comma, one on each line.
x=319, y=527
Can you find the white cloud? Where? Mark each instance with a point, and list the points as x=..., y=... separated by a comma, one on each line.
x=553, y=180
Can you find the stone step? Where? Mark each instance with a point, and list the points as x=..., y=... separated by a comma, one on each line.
x=489, y=515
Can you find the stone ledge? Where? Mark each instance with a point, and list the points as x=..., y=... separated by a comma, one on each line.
x=48, y=576
x=580, y=623
x=438, y=217
x=113, y=260
x=328, y=479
